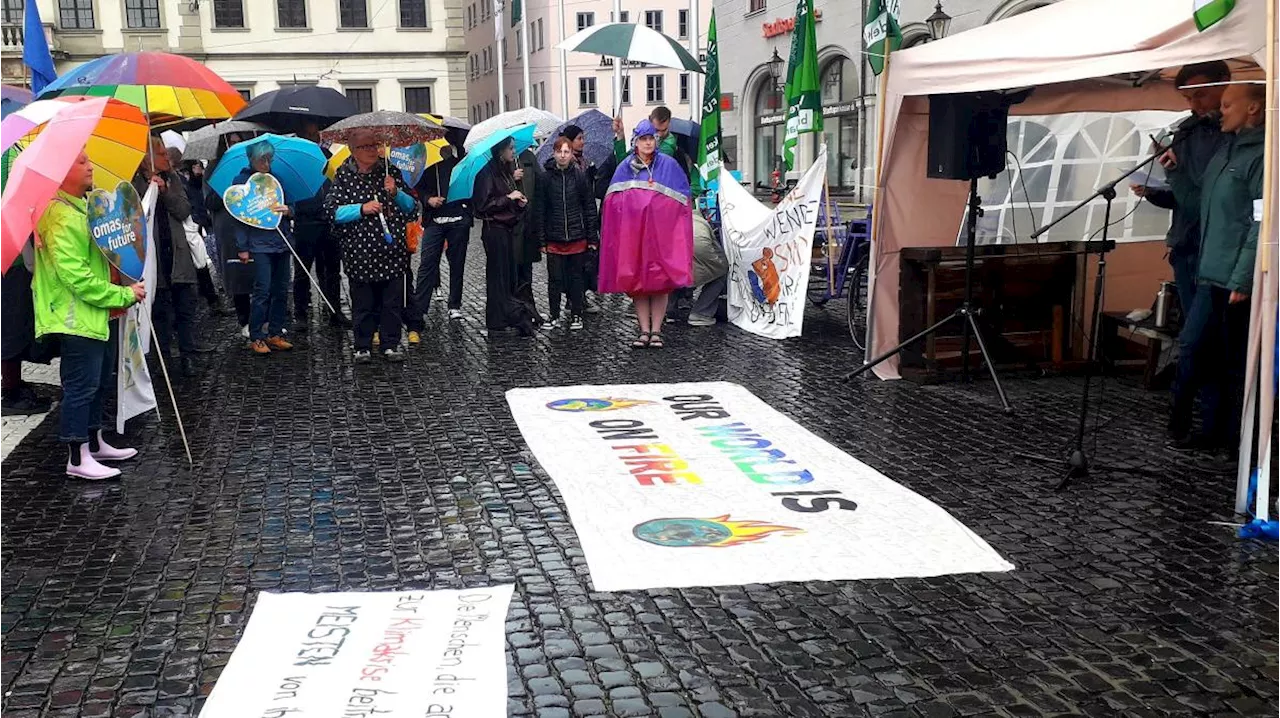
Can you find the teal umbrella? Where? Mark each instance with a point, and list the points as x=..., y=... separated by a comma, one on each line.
x=462, y=186
x=298, y=165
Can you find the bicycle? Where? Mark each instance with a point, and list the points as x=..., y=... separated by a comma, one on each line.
x=850, y=272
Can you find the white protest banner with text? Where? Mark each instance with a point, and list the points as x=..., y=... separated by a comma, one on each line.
x=704, y=484
x=425, y=654
x=769, y=252
x=134, y=391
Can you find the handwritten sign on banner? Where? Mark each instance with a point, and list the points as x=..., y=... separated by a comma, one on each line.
x=426, y=654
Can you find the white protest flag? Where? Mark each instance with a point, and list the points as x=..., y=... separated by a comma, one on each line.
x=403, y=654
x=704, y=484
x=135, y=393
x=769, y=252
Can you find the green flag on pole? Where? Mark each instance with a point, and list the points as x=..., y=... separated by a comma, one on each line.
x=516, y=10
x=880, y=31
x=804, y=94
x=709, y=147
x=1208, y=12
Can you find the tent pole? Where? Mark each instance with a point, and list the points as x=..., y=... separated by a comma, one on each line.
x=831, y=240
x=876, y=213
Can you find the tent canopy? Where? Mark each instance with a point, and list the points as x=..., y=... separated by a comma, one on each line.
x=1078, y=55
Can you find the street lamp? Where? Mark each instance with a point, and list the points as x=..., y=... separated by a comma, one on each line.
x=939, y=23
x=775, y=69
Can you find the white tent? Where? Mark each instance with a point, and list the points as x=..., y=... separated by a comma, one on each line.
x=1078, y=55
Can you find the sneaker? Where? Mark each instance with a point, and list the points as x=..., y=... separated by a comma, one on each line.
x=362, y=356
x=259, y=347
x=279, y=344
x=393, y=355
x=699, y=320
x=244, y=330
x=550, y=324
x=455, y=314
x=575, y=324
x=415, y=339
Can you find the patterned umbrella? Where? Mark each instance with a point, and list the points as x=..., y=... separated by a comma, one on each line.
x=175, y=92
x=544, y=122
x=387, y=128
x=597, y=127
x=203, y=143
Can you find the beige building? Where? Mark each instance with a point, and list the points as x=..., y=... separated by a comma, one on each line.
x=405, y=55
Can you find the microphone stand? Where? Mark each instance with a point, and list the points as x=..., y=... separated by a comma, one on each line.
x=1077, y=462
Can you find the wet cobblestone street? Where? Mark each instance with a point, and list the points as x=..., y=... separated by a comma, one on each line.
x=314, y=474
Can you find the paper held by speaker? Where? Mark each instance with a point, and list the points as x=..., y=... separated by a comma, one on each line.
x=967, y=133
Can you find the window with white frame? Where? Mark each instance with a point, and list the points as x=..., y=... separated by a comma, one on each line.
x=361, y=97
x=413, y=13
x=291, y=13
x=417, y=98
x=353, y=13
x=142, y=14
x=653, y=19
x=653, y=89
x=684, y=87
x=587, y=91
x=626, y=89
x=682, y=24
x=226, y=13
x=586, y=20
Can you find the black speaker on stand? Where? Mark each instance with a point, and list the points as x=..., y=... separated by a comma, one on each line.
x=967, y=140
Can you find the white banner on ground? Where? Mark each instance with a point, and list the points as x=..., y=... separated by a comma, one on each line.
x=769, y=251
x=135, y=393
x=425, y=654
x=703, y=484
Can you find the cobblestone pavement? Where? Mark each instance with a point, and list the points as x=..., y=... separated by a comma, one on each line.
x=314, y=475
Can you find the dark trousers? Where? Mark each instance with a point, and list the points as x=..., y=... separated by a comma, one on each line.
x=501, y=308
x=566, y=275
x=87, y=369
x=174, y=312
x=270, y=294
x=1185, y=264
x=1211, y=362
x=591, y=269
x=242, y=304
x=207, y=289
x=322, y=254
x=377, y=306
x=708, y=302
x=449, y=241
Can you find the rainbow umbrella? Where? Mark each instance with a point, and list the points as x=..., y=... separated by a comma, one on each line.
x=39, y=170
x=175, y=92
x=13, y=98
x=116, y=146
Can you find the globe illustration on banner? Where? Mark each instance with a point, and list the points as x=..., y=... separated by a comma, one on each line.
x=603, y=404
x=716, y=532
x=118, y=226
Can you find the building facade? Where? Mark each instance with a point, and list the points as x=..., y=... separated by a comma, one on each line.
x=750, y=31
x=404, y=55
x=568, y=84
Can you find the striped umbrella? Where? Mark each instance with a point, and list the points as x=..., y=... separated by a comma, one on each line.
x=630, y=41
x=116, y=145
x=175, y=92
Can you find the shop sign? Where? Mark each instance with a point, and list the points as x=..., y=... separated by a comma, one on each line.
x=784, y=25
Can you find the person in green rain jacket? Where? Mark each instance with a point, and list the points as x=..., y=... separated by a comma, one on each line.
x=74, y=297
x=1214, y=334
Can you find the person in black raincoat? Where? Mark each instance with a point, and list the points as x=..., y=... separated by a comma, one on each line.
x=499, y=204
x=316, y=247
x=369, y=208
x=527, y=251
x=564, y=219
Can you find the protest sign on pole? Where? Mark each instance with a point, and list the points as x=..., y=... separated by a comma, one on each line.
x=135, y=393
x=419, y=654
x=769, y=252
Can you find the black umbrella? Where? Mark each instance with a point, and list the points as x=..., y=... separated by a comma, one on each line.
x=289, y=108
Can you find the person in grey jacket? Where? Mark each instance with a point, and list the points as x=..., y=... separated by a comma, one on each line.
x=177, y=291
x=1194, y=143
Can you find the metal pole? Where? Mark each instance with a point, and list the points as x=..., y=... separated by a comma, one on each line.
x=617, y=65
x=498, y=35
x=564, y=67
x=524, y=52
x=695, y=39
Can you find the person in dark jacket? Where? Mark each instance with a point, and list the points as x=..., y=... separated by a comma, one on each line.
x=591, y=263
x=527, y=251
x=446, y=232
x=370, y=208
x=1214, y=337
x=192, y=174
x=318, y=249
x=499, y=204
x=1194, y=142
x=269, y=250
x=565, y=222
x=177, y=291
x=237, y=277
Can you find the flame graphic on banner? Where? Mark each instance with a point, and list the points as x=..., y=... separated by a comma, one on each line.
x=715, y=532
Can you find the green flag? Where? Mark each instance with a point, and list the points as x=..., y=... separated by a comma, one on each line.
x=516, y=10
x=804, y=94
x=709, y=147
x=880, y=31
x=1208, y=12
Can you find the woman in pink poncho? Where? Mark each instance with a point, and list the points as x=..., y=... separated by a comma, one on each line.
x=646, y=237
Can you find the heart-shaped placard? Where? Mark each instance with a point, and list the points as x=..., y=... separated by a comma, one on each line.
x=253, y=201
x=119, y=227
x=411, y=161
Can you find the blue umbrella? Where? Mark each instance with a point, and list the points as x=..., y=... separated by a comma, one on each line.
x=298, y=165
x=462, y=186
x=597, y=127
